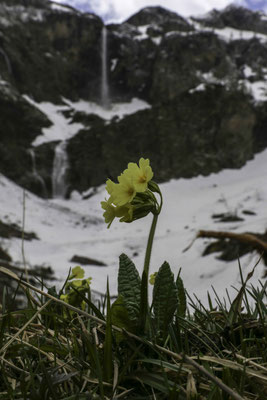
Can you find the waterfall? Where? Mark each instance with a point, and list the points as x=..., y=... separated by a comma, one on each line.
x=105, y=101
x=59, y=174
x=35, y=173
x=7, y=61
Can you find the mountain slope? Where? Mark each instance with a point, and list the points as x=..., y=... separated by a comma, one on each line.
x=203, y=83
x=76, y=227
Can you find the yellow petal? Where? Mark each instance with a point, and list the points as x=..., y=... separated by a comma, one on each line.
x=77, y=272
x=77, y=283
x=125, y=191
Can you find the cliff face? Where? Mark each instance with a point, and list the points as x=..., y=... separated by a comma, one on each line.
x=204, y=82
x=52, y=51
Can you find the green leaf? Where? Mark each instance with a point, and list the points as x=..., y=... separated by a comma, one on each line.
x=155, y=380
x=236, y=305
x=143, y=304
x=181, y=307
x=153, y=186
x=108, y=363
x=88, y=301
x=164, y=297
x=60, y=378
x=129, y=287
x=120, y=318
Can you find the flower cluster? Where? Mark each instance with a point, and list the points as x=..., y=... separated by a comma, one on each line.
x=75, y=286
x=152, y=278
x=131, y=198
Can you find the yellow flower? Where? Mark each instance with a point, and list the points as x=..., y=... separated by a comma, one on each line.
x=110, y=211
x=125, y=213
x=131, y=198
x=124, y=192
x=140, y=175
x=110, y=187
x=77, y=272
x=81, y=283
x=152, y=278
x=88, y=281
x=64, y=297
x=77, y=283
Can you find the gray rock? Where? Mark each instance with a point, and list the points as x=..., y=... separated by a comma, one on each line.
x=87, y=261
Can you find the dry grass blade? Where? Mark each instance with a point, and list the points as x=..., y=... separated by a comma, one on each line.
x=251, y=362
x=116, y=375
x=50, y=356
x=125, y=393
x=217, y=381
x=4, y=348
x=60, y=363
x=191, y=390
x=233, y=365
x=10, y=364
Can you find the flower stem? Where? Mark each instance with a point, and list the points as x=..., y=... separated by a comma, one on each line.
x=144, y=284
x=150, y=243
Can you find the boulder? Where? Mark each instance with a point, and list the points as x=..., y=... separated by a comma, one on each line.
x=12, y=230
x=87, y=261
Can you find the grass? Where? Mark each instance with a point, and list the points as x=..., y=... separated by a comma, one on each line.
x=53, y=350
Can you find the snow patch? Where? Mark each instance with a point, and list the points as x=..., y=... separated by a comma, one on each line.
x=62, y=8
x=200, y=88
x=248, y=71
x=11, y=15
x=114, y=63
x=228, y=34
x=157, y=40
x=119, y=110
x=63, y=129
x=209, y=79
x=143, y=35
x=257, y=89
x=142, y=30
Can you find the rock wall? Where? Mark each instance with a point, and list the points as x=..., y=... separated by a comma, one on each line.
x=178, y=138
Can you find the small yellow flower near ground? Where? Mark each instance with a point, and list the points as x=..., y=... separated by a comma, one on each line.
x=88, y=281
x=152, y=278
x=77, y=283
x=82, y=283
x=140, y=175
x=77, y=272
x=64, y=297
x=124, y=192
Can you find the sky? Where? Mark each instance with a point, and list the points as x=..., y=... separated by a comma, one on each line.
x=119, y=10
